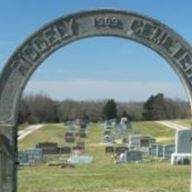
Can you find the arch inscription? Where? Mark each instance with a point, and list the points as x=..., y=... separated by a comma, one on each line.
x=19, y=68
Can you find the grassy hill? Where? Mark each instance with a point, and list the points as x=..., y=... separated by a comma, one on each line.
x=102, y=175
x=160, y=132
x=184, y=122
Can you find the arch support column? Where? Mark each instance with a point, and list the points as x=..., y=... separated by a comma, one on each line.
x=8, y=158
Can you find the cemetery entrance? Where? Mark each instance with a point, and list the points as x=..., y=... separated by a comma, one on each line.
x=59, y=33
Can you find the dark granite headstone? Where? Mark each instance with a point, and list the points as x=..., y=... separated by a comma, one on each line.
x=109, y=149
x=48, y=147
x=65, y=150
x=121, y=149
x=69, y=137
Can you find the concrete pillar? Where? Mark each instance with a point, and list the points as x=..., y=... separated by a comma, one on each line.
x=8, y=160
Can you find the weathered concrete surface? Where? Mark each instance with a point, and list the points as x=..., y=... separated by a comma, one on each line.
x=7, y=161
x=64, y=30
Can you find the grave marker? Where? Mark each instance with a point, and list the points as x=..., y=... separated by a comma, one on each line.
x=65, y=150
x=168, y=150
x=134, y=156
x=30, y=156
x=182, y=141
x=109, y=149
x=48, y=147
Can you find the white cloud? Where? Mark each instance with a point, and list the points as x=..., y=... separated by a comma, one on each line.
x=94, y=89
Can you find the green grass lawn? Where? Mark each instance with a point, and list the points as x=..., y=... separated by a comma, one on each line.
x=102, y=175
x=50, y=132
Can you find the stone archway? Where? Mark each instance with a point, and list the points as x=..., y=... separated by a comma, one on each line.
x=19, y=68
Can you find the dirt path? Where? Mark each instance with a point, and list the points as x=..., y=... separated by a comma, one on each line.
x=172, y=125
x=23, y=133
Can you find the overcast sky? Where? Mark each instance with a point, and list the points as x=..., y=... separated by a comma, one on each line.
x=99, y=67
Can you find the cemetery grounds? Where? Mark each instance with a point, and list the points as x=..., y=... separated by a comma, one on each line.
x=153, y=175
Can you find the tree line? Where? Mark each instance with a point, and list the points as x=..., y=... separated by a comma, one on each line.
x=41, y=108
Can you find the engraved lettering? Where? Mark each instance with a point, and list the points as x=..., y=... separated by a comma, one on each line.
x=170, y=45
x=159, y=36
x=30, y=53
x=20, y=65
x=65, y=28
x=148, y=30
x=156, y=35
x=51, y=36
x=186, y=62
x=41, y=44
x=189, y=72
x=179, y=53
x=137, y=26
x=23, y=69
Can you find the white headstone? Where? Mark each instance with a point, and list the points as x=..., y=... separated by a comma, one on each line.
x=182, y=141
x=134, y=141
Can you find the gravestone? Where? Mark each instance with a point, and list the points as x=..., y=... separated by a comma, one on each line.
x=182, y=147
x=71, y=128
x=83, y=125
x=80, y=159
x=77, y=150
x=82, y=133
x=152, y=141
x=81, y=144
x=121, y=149
x=125, y=123
x=108, y=139
x=120, y=131
x=134, y=156
x=65, y=150
x=107, y=132
x=153, y=150
x=69, y=137
x=145, y=142
x=109, y=149
x=183, y=141
x=134, y=141
x=159, y=150
x=30, y=156
x=156, y=150
x=23, y=158
x=48, y=147
x=110, y=124
x=168, y=150
x=141, y=142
